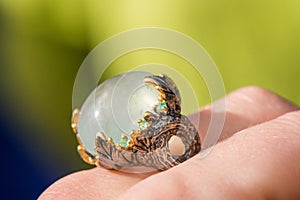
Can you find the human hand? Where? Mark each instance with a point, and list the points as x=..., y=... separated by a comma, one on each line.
x=259, y=158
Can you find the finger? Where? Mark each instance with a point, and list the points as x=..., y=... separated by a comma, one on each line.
x=244, y=107
x=96, y=183
x=84, y=183
x=261, y=162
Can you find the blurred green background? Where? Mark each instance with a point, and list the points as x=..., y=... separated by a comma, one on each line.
x=43, y=43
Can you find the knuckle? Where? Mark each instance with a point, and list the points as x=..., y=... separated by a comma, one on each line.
x=292, y=119
x=255, y=93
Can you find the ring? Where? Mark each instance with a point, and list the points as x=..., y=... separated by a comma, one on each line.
x=132, y=122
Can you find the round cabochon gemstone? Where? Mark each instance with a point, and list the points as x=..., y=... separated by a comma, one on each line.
x=132, y=122
x=115, y=108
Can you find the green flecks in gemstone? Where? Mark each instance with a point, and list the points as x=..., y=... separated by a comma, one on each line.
x=143, y=124
x=161, y=106
x=124, y=142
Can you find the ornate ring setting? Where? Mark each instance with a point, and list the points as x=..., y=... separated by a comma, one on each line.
x=132, y=122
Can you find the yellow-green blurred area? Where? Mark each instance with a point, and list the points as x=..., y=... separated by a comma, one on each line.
x=43, y=43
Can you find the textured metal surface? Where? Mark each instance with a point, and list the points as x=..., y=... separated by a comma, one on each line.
x=150, y=146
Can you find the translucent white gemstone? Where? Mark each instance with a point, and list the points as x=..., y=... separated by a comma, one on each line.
x=115, y=107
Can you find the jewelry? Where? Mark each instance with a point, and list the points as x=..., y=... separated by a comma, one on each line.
x=133, y=122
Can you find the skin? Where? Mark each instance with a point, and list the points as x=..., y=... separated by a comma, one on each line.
x=257, y=157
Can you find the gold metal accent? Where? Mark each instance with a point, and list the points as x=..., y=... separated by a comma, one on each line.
x=157, y=87
x=86, y=156
x=102, y=135
x=160, y=99
x=130, y=143
x=134, y=134
x=140, y=123
x=74, y=120
x=149, y=81
x=164, y=110
x=147, y=114
x=111, y=141
x=161, y=93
